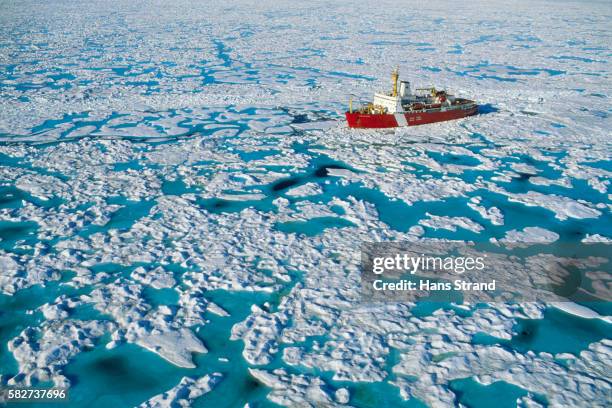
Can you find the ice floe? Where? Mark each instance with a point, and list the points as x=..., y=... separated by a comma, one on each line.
x=184, y=393
x=530, y=235
x=563, y=207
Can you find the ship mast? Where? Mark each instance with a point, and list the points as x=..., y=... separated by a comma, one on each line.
x=394, y=78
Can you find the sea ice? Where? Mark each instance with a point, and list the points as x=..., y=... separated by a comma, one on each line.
x=563, y=207
x=184, y=393
x=155, y=171
x=450, y=223
x=530, y=235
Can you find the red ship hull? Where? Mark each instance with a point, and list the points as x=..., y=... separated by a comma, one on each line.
x=371, y=120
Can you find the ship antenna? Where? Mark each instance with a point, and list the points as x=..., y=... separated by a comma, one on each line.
x=394, y=78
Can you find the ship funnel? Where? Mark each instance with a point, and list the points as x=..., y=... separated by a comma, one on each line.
x=405, y=89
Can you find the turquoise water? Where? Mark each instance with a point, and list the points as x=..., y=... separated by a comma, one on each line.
x=499, y=394
x=14, y=233
x=150, y=88
x=237, y=387
x=127, y=375
x=557, y=332
x=15, y=316
x=123, y=376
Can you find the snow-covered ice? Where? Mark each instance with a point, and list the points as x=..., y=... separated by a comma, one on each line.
x=178, y=179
